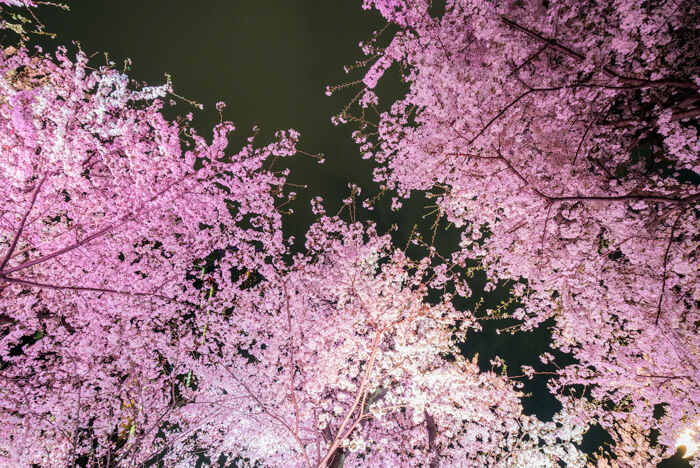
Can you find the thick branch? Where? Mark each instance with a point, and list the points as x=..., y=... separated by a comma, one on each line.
x=74, y=246
x=18, y=233
x=359, y=402
x=338, y=458
x=58, y=287
x=432, y=435
x=629, y=197
x=606, y=71
x=675, y=117
x=663, y=281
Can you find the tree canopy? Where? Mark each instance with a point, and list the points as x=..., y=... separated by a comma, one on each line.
x=153, y=310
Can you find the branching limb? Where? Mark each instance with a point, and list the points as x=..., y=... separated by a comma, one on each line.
x=57, y=287
x=18, y=232
x=122, y=221
x=359, y=402
x=675, y=117
x=606, y=71
x=272, y=415
x=292, y=366
x=681, y=201
x=668, y=249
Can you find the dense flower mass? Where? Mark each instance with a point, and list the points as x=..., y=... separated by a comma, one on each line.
x=104, y=217
x=345, y=362
x=149, y=311
x=116, y=351
x=563, y=140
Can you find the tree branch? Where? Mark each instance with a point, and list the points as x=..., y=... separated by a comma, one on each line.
x=605, y=70
x=432, y=435
x=123, y=220
x=360, y=399
x=629, y=197
x=526, y=93
x=675, y=117
x=272, y=415
x=57, y=287
x=292, y=369
x=18, y=233
x=668, y=249
x=529, y=59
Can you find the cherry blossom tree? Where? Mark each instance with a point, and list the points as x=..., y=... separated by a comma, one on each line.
x=104, y=218
x=562, y=138
x=150, y=311
x=116, y=351
x=342, y=360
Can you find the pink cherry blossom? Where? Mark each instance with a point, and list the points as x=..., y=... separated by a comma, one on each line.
x=567, y=133
x=150, y=308
x=104, y=217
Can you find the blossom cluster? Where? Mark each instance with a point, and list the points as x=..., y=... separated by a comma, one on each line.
x=562, y=138
x=107, y=210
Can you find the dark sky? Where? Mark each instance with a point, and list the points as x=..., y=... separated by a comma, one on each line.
x=270, y=61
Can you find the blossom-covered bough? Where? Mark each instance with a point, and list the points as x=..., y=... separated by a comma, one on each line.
x=346, y=364
x=563, y=137
x=103, y=218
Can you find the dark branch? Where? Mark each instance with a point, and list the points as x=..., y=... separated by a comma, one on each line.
x=606, y=71
x=682, y=201
x=668, y=249
x=123, y=220
x=432, y=435
x=629, y=197
x=58, y=287
x=676, y=116
x=18, y=233
x=529, y=59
